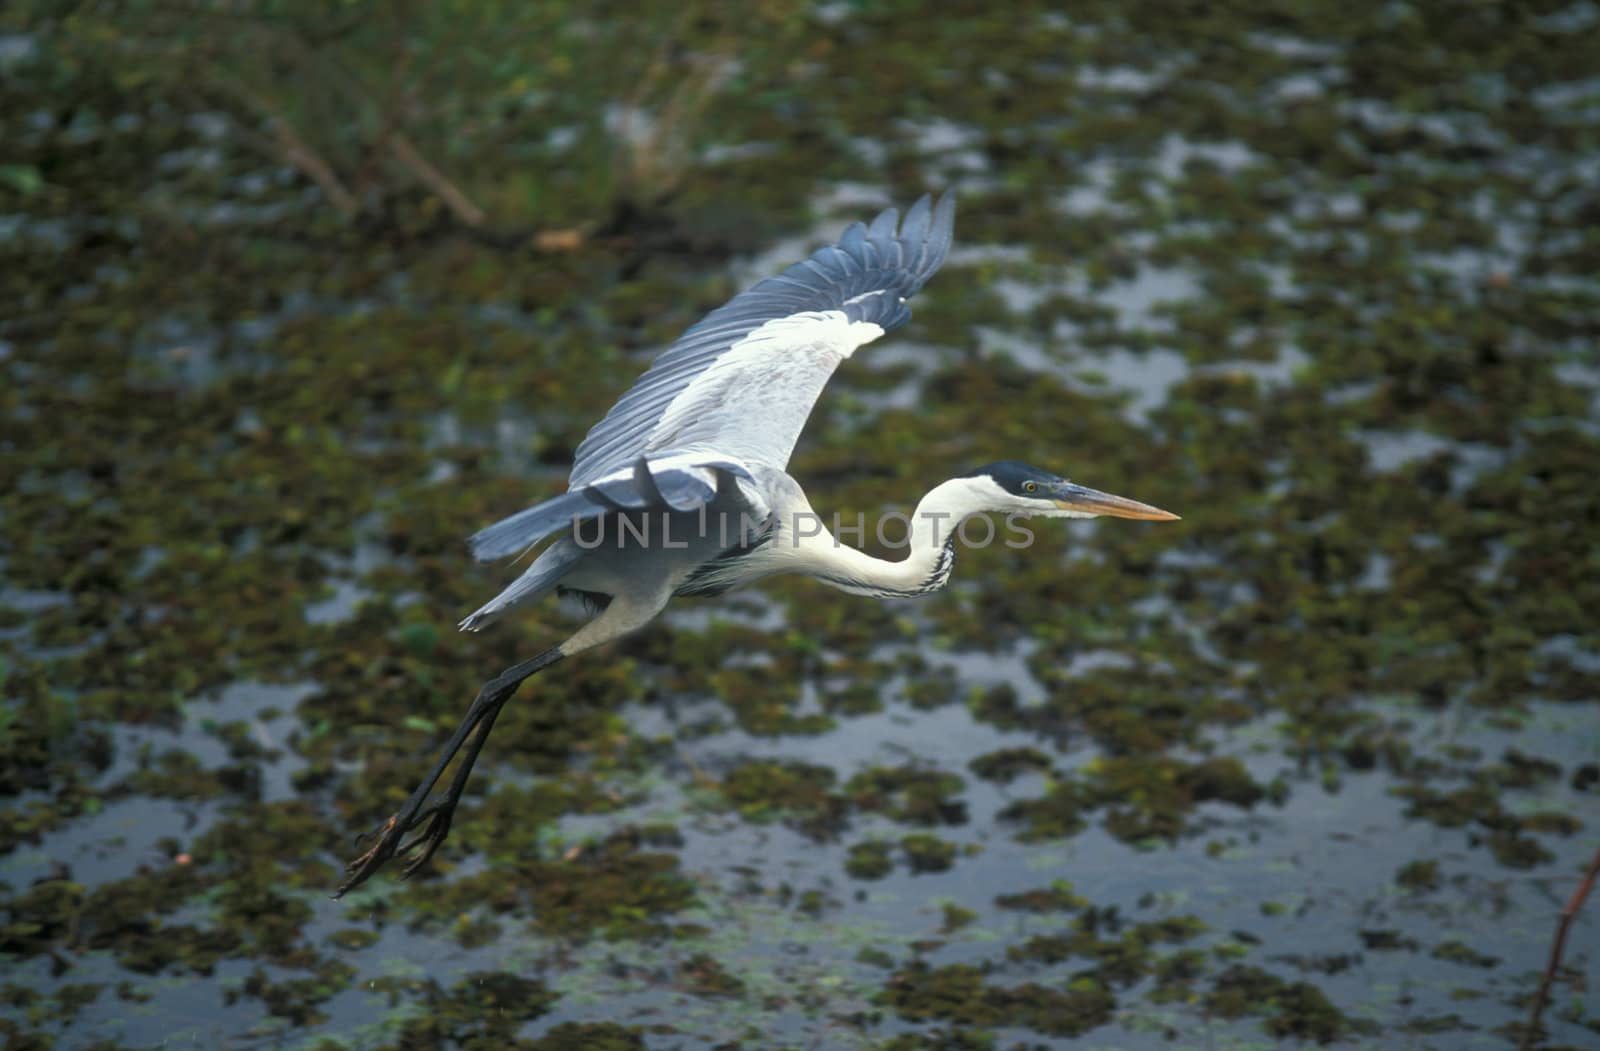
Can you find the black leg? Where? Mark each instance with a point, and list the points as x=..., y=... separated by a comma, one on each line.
x=440, y=813
x=477, y=725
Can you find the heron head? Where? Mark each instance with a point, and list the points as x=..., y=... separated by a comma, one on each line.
x=1019, y=488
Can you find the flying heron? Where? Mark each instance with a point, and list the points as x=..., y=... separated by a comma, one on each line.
x=681, y=488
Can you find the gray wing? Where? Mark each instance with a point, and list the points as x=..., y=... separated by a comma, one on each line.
x=862, y=280
x=735, y=389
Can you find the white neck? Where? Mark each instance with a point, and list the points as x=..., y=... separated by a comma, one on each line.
x=930, y=550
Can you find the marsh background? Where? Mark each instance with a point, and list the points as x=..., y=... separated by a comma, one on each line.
x=296, y=295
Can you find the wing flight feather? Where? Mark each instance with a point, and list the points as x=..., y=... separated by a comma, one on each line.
x=893, y=263
x=736, y=388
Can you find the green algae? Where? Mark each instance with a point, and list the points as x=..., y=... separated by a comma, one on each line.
x=957, y=993
x=869, y=861
x=1419, y=875
x=614, y=889
x=909, y=795
x=925, y=853
x=800, y=794
x=704, y=976
x=1007, y=764
x=1058, y=897
x=482, y=1010
x=1145, y=798
x=1459, y=952
x=1295, y=1010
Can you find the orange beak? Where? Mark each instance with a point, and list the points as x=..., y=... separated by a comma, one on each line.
x=1070, y=497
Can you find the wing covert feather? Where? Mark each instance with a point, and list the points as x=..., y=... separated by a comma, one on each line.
x=864, y=278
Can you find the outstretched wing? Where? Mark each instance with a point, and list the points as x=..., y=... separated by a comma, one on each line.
x=743, y=380
x=735, y=390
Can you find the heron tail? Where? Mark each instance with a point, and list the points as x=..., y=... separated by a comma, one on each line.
x=555, y=562
x=514, y=535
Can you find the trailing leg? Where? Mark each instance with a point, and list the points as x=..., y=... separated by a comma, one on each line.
x=477, y=725
x=627, y=613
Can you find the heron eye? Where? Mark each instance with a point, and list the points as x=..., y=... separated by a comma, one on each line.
x=1028, y=487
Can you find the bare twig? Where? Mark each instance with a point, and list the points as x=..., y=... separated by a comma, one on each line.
x=295, y=149
x=1557, y=945
x=310, y=162
x=653, y=143
x=459, y=204
x=389, y=122
x=391, y=137
x=285, y=138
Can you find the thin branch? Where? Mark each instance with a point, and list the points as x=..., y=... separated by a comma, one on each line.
x=1557, y=946
x=285, y=140
x=460, y=204
x=296, y=149
x=390, y=122
x=310, y=162
x=391, y=138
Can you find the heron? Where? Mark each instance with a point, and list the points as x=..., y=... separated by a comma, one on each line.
x=682, y=489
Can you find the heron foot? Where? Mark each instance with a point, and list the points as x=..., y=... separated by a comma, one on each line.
x=474, y=730
x=389, y=843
